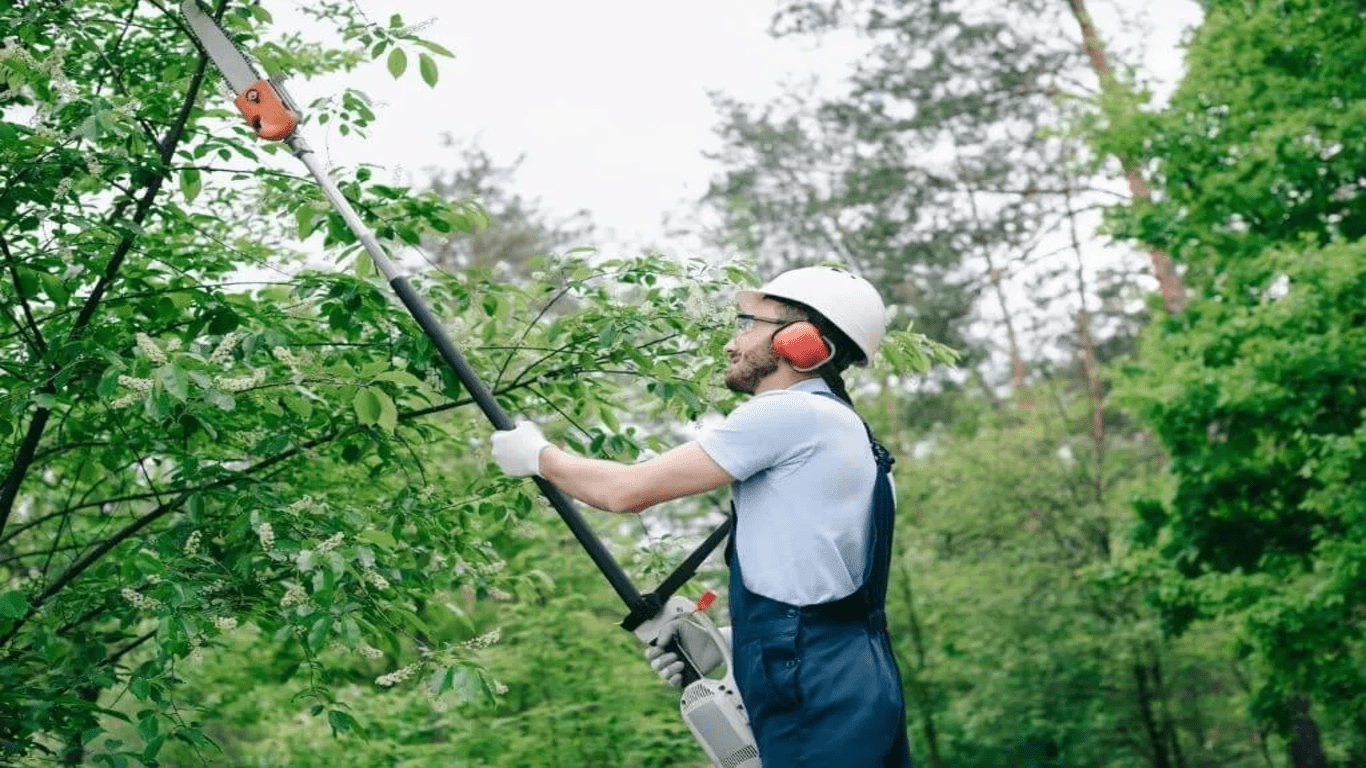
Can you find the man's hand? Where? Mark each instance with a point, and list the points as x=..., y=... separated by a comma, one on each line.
x=518, y=451
x=697, y=644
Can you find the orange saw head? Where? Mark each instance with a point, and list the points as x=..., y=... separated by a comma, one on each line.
x=266, y=112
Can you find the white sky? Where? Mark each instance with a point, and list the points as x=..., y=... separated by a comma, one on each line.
x=607, y=100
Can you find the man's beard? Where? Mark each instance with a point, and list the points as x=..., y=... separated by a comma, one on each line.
x=750, y=369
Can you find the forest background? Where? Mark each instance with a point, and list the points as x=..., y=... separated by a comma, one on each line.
x=248, y=522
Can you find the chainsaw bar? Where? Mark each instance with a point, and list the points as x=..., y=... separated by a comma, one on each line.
x=234, y=67
x=265, y=105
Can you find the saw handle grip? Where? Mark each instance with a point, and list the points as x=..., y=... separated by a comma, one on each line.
x=690, y=673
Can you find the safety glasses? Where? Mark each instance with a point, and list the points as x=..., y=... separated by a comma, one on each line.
x=743, y=322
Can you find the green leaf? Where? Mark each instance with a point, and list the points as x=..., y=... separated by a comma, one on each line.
x=173, y=379
x=400, y=377
x=13, y=605
x=219, y=399
x=388, y=414
x=53, y=287
x=190, y=183
x=380, y=538
x=427, y=66
x=434, y=48
x=398, y=62
x=153, y=748
x=148, y=727
x=140, y=687
x=367, y=405
x=340, y=721
x=317, y=636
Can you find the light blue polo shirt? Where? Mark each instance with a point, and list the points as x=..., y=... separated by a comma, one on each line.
x=804, y=490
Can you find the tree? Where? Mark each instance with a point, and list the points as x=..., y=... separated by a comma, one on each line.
x=194, y=454
x=1254, y=390
x=1028, y=640
x=947, y=169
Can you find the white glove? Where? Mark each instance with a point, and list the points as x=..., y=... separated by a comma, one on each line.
x=696, y=643
x=518, y=451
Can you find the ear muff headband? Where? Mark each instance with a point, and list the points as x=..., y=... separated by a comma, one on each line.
x=802, y=345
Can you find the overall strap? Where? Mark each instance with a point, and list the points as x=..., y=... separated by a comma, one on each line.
x=872, y=595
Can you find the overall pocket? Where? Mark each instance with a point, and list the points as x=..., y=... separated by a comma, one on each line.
x=780, y=665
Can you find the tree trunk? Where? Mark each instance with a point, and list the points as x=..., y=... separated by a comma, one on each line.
x=1090, y=369
x=1145, y=709
x=1164, y=699
x=1306, y=747
x=1164, y=269
x=1017, y=364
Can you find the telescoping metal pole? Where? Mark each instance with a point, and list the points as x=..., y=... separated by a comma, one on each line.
x=274, y=116
x=481, y=394
x=641, y=608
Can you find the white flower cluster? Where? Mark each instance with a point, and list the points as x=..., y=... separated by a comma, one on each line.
x=294, y=595
x=284, y=355
x=331, y=543
x=135, y=384
x=499, y=596
x=53, y=66
x=397, y=676
x=192, y=544
x=488, y=569
x=239, y=383
x=305, y=504
x=369, y=651
x=484, y=640
x=376, y=578
x=266, y=534
x=140, y=600
x=150, y=349
x=196, y=657
x=225, y=623
x=214, y=587
x=223, y=352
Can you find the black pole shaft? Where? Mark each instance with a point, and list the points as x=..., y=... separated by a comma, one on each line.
x=590, y=542
x=688, y=567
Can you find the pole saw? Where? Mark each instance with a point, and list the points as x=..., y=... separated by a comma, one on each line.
x=711, y=707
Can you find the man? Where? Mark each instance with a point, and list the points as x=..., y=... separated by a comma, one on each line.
x=813, y=511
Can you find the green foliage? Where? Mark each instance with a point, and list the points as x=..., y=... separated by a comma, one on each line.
x=1255, y=390
x=279, y=475
x=1019, y=609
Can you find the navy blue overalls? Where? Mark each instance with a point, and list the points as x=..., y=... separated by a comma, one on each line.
x=819, y=682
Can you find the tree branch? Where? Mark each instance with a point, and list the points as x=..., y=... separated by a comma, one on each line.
x=24, y=459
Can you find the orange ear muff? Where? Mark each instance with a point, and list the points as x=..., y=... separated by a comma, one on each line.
x=801, y=345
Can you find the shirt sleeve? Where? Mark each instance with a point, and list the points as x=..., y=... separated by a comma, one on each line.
x=761, y=433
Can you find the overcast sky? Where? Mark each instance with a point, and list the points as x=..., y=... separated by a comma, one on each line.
x=606, y=99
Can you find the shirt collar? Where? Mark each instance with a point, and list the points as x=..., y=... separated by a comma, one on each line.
x=816, y=384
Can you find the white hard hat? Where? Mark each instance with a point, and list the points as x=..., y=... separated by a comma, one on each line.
x=848, y=301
